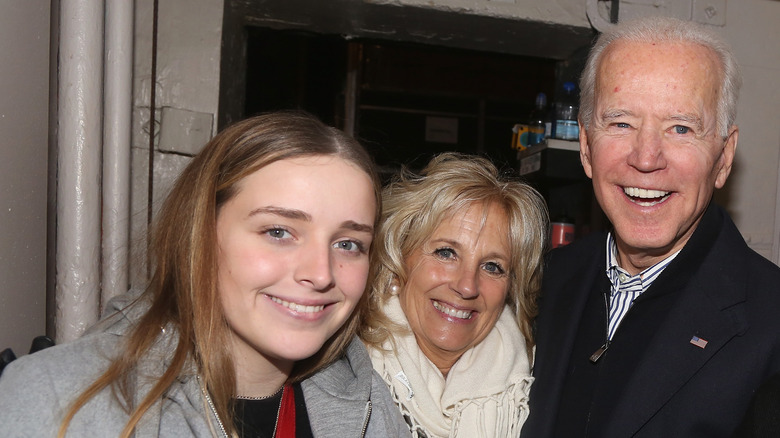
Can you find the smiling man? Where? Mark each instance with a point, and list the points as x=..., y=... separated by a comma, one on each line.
x=666, y=325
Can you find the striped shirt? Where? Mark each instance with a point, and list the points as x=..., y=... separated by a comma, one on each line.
x=625, y=287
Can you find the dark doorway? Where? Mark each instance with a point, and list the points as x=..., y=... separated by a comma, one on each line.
x=296, y=70
x=411, y=100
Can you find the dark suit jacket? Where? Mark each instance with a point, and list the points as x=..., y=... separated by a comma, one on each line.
x=653, y=381
x=763, y=416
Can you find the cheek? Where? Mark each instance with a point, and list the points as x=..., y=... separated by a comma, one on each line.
x=249, y=267
x=709, y=163
x=495, y=295
x=240, y=267
x=695, y=168
x=409, y=296
x=431, y=273
x=352, y=278
x=421, y=280
x=607, y=154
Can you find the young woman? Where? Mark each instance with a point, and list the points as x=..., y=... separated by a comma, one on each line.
x=247, y=327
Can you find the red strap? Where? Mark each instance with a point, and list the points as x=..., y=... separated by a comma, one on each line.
x=286, y=422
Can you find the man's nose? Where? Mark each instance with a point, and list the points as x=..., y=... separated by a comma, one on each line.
x=647, y=152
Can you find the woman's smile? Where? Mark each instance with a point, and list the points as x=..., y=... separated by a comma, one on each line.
x=452, y=311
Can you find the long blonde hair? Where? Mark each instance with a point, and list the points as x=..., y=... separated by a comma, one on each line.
x=414, y=205
x=183, y=288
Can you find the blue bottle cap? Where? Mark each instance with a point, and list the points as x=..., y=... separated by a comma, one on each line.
x=541, y=100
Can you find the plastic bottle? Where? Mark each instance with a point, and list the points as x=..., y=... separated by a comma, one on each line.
x=538, y=121
x=566, y=109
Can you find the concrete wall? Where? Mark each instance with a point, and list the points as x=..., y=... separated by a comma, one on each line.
x=24, y=109
x=753, y=29
x=187, y=97
x=568, y=12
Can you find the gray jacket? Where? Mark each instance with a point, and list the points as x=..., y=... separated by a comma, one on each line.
x=346, y=399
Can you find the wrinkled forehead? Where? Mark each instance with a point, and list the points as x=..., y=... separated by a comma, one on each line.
x=684, y=75
x=674, y=59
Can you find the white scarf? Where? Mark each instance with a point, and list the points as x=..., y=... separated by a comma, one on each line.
x=484, y=395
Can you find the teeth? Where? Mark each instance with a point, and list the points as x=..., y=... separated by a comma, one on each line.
x=298, y=307
x=644, y=193
x=461, y=314
x=657, y=196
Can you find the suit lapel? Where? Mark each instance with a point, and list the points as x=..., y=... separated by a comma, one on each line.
x=559, y=325
x=706, y=308
x=672, y=360
x=568, y=313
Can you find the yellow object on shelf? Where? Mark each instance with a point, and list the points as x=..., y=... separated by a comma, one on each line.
x=520, y=136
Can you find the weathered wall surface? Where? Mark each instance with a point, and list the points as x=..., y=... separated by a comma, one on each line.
x=24, y=112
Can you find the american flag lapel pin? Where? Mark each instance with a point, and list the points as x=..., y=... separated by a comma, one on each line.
x=699, y=342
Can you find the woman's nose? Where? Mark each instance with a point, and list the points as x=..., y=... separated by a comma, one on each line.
x=465, y=282
x=314, y=267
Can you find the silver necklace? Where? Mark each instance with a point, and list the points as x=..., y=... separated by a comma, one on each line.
x=207, y=396
x=278, y=410
x=264, y=397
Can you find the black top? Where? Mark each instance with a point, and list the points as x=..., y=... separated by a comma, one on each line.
x=257, y=418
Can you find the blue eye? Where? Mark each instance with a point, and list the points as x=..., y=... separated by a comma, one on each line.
x=445, y=253
x=349, y=245
x=622, y=125
x=678, y=129
x=278, y=233
x=493, y=268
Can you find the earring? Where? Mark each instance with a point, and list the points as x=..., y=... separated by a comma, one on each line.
x=394, y=288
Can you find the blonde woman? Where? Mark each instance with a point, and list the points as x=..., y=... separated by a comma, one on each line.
x=455, y=273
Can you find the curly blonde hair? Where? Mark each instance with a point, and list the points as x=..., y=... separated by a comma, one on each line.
x=414, y=205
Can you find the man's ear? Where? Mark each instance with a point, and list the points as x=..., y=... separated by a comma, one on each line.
x=585, y=151
x=726, y=158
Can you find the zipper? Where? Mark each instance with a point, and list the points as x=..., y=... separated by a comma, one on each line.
x=211, y=406
x=603, y=349
x=365, y=421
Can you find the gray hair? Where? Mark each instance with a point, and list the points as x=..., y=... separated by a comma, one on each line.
x=659, y=29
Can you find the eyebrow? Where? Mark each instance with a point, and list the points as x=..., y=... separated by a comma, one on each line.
x=294, y=214
x=450, y=242
x=693, y=119
x=283, y=212
x=352, y=225
x=615, y=113
x=457, y=245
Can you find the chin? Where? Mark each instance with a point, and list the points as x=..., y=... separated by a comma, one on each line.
x=651, y=244
x=299, y=348
x=452, y=346
x=297, y=353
